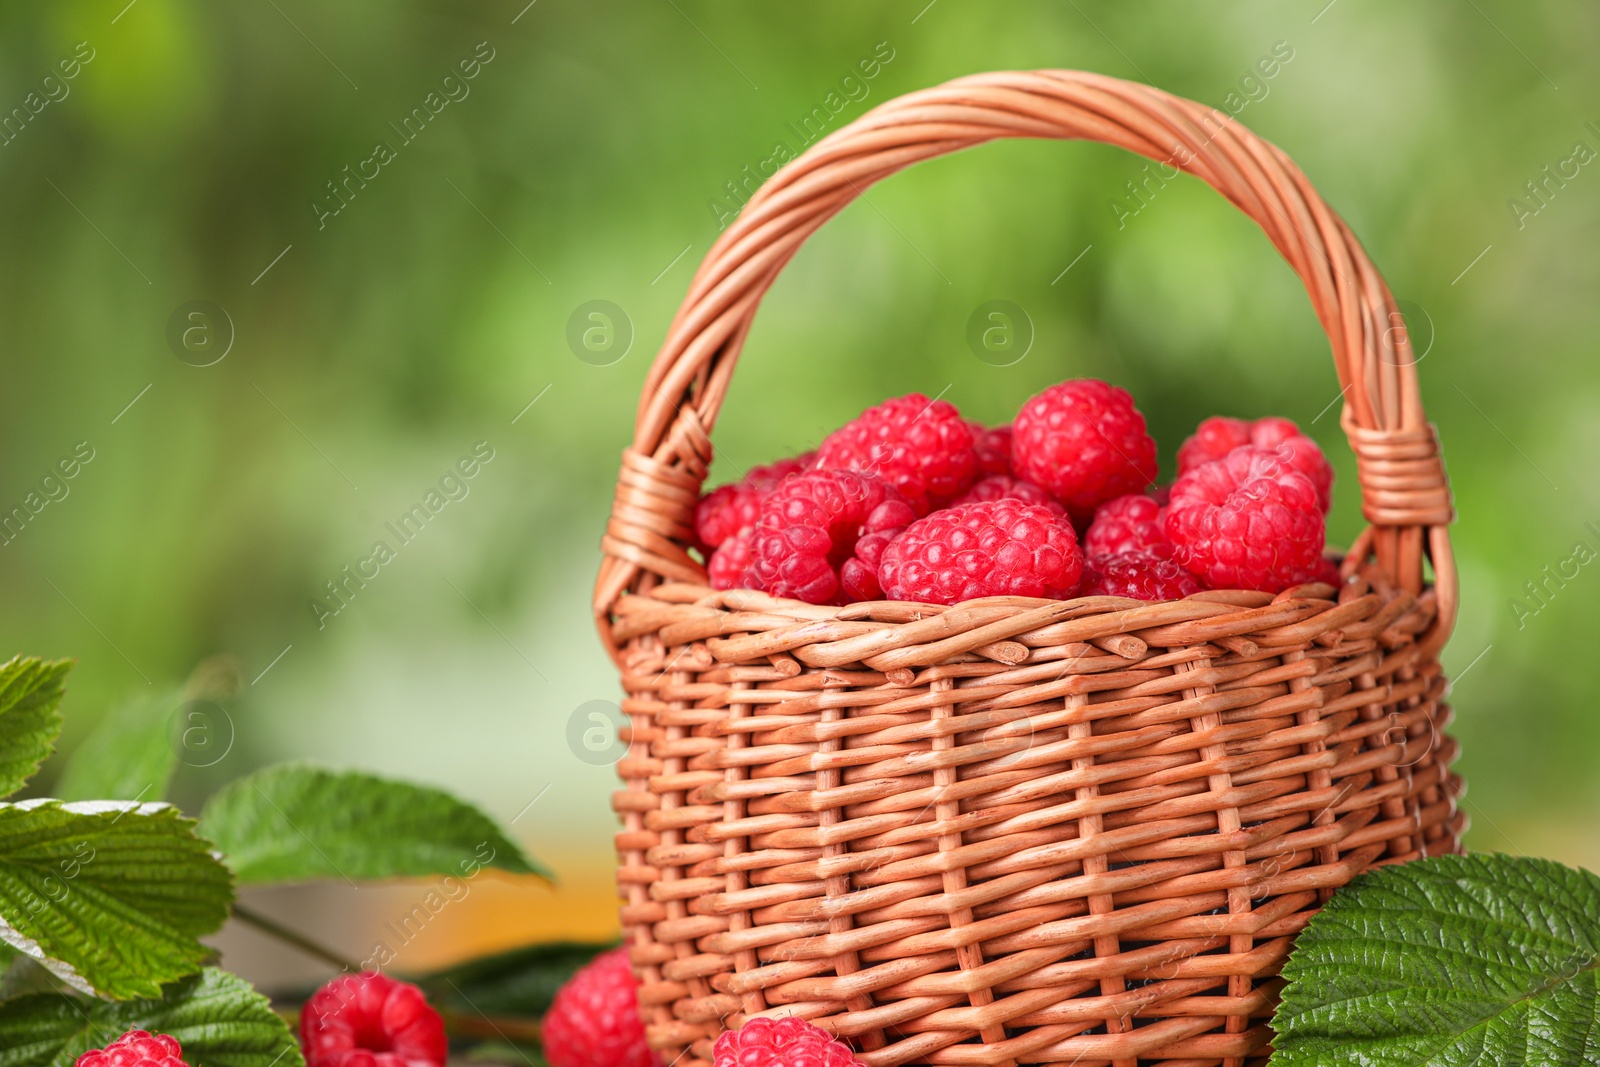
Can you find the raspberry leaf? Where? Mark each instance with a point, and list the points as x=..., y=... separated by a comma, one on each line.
x=296, y=823
x=109, y=896
x=1448, y=961
x=217, y=1018
x=127, y=756
x=30, y=716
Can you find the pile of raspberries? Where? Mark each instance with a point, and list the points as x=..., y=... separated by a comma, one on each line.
x=909, y=501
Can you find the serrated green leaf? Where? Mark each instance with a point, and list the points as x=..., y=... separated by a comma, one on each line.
x=30, y=716
x=295, y=823
x=111, y=896
x=128, y=755
x=217, y=1018
x=1449, y=962
x=518, y=983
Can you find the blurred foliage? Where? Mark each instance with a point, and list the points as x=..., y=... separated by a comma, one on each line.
x=183, y=160
x=521, y=982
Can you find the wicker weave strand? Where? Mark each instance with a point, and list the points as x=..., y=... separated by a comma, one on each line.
x=1018, y=831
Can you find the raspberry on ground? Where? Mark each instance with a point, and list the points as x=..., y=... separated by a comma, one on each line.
x=371, y=1020
x=788, y=1042
x=1133, y=523
x=1138, y=575
x=1246, y=521
x=1217, y=436
x=136, y=1048
x=725, y=569
x=809, y=530
x=594, y=1019
x=1007, y=487
x=729, y=508
x=991, y=548
x=1084, y=442
x=993, y=447
x=923, y=448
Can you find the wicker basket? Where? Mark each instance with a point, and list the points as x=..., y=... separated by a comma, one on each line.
x=1018, y=831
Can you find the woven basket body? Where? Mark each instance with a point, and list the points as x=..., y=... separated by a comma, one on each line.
x=1018, y=831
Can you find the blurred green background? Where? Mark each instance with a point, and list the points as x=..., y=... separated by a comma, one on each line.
x=587, y=159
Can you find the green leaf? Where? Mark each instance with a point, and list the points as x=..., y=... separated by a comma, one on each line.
x=24, y=974
x=127, y=756
x=294, y=823
x=521, y=982
x=110, y=896
x=508, y=1053
x=30, y=716
x=1454, y=960
x=217, y=1018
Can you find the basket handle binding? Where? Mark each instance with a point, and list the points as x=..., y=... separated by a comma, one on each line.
x=1405, y=495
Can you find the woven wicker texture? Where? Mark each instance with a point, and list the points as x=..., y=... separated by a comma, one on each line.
x=1018, y=831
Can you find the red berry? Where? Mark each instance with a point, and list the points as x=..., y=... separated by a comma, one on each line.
x=993, y=447
x=923, y=448
x=729, y=508
x=1007, y=487
x=991, y=548
x=1212, y=439
x=727, y=564
x=787, y=1042
x=1085, y=443
x=1132, y=523
x=809, y=529
x=1325, y=570
x=371, y=1020
x=1246, y=521
x=1138, y=575
x=594, y=1019
x=1217, y=436
x=859, y=574
x=136, y=1048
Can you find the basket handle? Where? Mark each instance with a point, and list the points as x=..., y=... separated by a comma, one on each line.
x=1404, y=492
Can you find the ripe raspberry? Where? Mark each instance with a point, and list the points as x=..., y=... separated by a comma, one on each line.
x=136, y=1048
x=1132, y=523
x=787, y=1042
x=1006, y=487
x=859, y=574
x=727, y=564
x=809, y=529
x=1217, y=436
x=1246, y=521
x=1325, y=570
x=923, y=448
x=371, y=1020
x=1138, y=575
x=1085, y=443
x=729, y=508
x=993, y=447
x=991, y=548
x=594, y=1019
